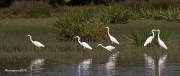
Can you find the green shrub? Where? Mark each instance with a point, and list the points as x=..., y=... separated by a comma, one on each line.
x=114, y=14
x=78, y=23
x=138, y=38
x=147, y=13
x=37, y=11
x=173, y=14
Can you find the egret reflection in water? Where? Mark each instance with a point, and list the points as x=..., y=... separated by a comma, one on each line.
x=36, y=66
x=83, y=67
x=162, y=59
x=151, y=66
x=110, y=65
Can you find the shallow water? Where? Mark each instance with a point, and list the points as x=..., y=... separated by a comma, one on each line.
x=39, y=67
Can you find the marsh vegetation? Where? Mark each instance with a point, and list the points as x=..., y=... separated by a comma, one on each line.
x=129, y=25
x=15, y=47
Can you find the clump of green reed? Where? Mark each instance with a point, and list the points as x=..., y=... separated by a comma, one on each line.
x=71, y=24
x=138, y=38
x=173, y=14
x=36, y=11
x=26, y=9
x=147, y=13
x=114, y=14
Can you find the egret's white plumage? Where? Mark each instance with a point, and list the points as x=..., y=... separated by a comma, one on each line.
x=84, y=44
x=161, y=43
x=149, y=39
x=111, y=37
x=36, y=43
x=109, y=47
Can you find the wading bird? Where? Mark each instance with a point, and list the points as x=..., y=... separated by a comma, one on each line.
x=84, y=44
x=149, y=39
x=109, y=47
x=36, y=43
x=111, y=37
x=161, y=43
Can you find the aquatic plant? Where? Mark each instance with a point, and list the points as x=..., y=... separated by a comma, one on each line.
x=72, y=24
x=138, y=37
x=114, y=14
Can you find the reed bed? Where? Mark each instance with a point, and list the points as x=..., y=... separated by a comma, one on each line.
x=16, y=48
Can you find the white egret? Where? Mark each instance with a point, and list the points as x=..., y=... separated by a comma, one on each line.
x=149, y=39
x=161, y=43
x=84, y=44
x=111, y=37
x=36, y=43
x=109, y=47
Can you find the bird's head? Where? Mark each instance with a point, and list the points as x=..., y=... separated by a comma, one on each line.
x=106, y=27
x=99, y=45
x=157, y=30
x=76, y=37
x=153, y=30
x=28, y=35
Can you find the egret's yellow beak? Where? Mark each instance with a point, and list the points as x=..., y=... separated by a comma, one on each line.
x=155, y=30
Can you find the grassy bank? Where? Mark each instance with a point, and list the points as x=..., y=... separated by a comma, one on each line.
x=15, y=47
x=122, y=10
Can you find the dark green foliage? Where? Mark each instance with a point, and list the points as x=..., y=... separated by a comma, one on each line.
x=78, y=23
x=53, y=3
x=36, y=11
x=78, y=2
x=138, y=37
x=114, y=14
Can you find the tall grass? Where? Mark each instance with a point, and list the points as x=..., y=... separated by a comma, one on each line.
x=71, y=24
x=138, y=37
x=16, y=48
x=26, y=9
x=114, y=14
x=37, y=11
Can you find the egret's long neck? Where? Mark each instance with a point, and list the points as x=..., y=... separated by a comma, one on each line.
x=153, y=34
x=108, y=32
x=79, y=40
x=102, y=46
x=158, y=35
x=31, y=38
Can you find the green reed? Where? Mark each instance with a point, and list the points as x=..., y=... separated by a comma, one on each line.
x=16, y=48
x=138, y=38
x=72, y=24
x=114, y=14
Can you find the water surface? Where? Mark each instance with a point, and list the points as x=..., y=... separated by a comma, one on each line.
x=86, y=67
